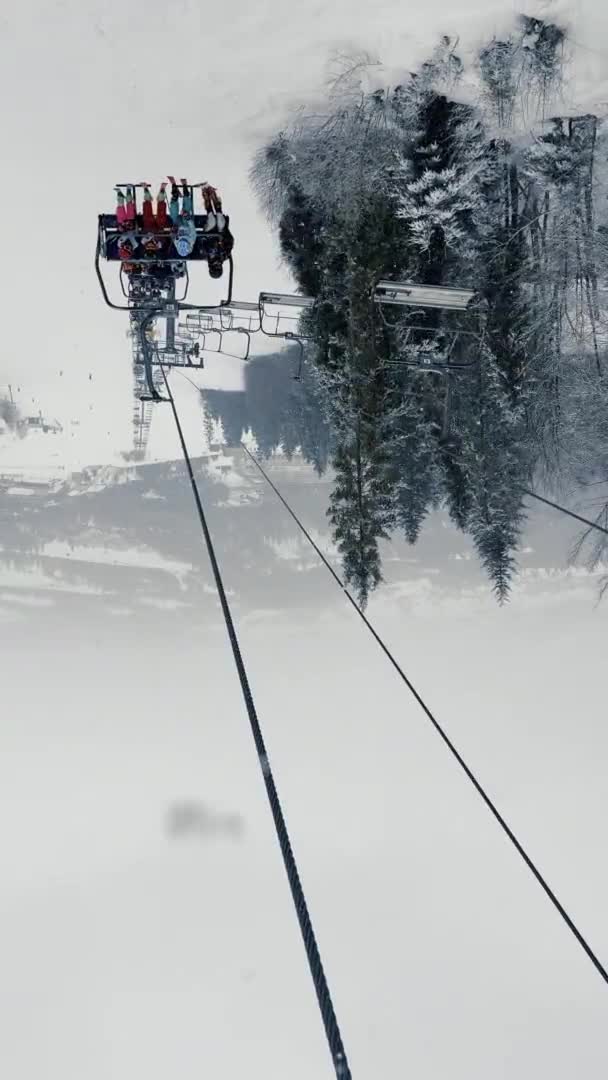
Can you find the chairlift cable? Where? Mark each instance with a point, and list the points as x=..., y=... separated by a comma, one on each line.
x=443, y=735
x=330, y=1022
x=564, y=510
x=188, y=379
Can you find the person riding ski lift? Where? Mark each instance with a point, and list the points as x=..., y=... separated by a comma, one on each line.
x=125, y=209
x=218, y=247
x=215, y=262
x=159, y=221
x=213, y=206
x=126, y=223
x=184, y=237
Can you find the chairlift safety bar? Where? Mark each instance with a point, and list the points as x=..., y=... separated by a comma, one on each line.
x=140, y=184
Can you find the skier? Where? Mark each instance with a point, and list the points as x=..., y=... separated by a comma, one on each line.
x=217, y=248
x=125, y=209
x=183, y=222
x=155, y=222
x=127, y=223
x=213, y=206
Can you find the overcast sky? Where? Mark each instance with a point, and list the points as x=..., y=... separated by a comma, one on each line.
x=127, y=952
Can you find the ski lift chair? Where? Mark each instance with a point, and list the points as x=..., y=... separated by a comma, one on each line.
x=196, y=320
x=222, y=349
x=241, y=309
x=246, y=311
x=108, y=236
x=177, y=355
x=148, y=300
x=269, y=300
x=426, y=358
x=222, y=322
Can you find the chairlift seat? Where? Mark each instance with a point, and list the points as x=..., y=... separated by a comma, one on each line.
x=285, y=300
x=407, y=294
x=111, y=235
x=241, y=305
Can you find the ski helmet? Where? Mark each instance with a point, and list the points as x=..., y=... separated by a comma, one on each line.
x=183, y=246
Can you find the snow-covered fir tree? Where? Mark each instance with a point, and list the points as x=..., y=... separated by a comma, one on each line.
x=407, y=182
